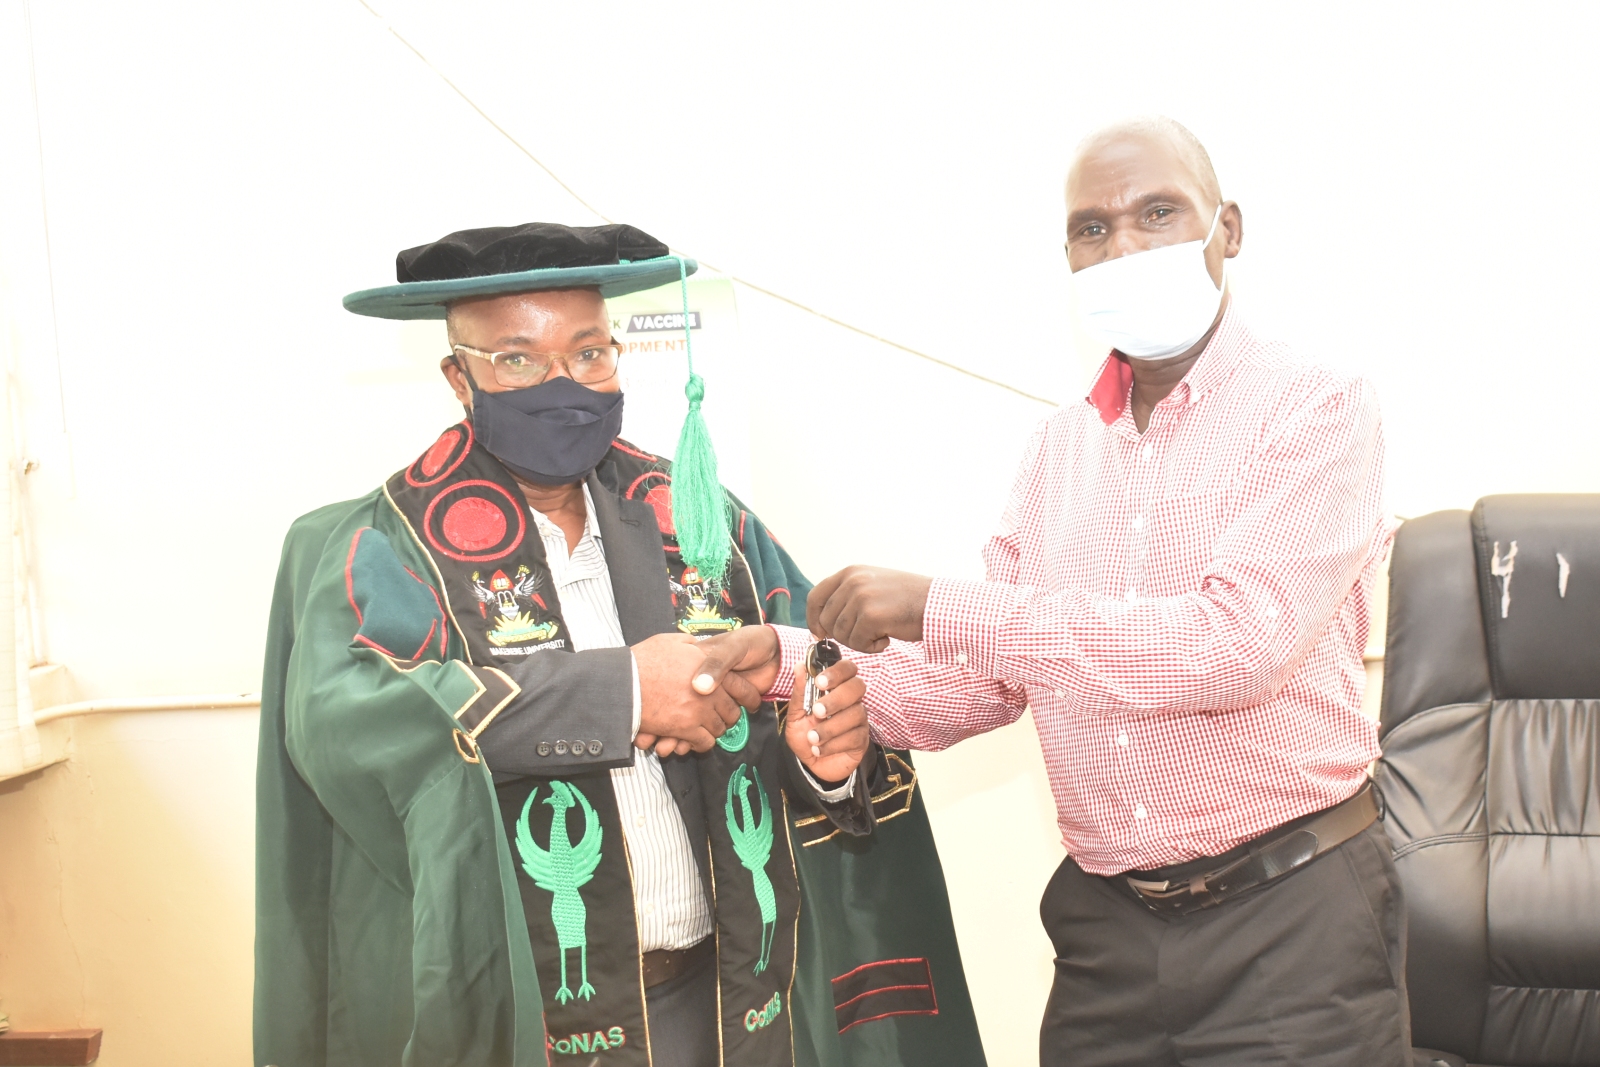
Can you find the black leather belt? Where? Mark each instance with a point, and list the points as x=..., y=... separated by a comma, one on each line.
x=665, y=964
x=1266, y=858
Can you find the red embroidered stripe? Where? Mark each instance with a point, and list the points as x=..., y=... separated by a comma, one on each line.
x=444, y=630
x=630, y=450
x=423, y=648
x=370, y=643
x=349, y=574
x=882, y=989
x=875, y=992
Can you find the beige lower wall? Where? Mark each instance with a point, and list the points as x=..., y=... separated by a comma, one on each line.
x=126, y=888
x=126, y=884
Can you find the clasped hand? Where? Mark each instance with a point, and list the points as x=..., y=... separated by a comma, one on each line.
x=689, y=694
x=691, y=691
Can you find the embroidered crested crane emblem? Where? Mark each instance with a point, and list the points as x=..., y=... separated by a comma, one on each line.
x=737, y=735
x=563, y=869
x=752, y=843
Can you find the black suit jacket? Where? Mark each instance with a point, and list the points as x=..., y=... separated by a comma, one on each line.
x=589, y=694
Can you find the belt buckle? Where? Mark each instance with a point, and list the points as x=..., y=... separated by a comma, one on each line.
x=1176, y=898
x=1163, y=898
x=1142, y=887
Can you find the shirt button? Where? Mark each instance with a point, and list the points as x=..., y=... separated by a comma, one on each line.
x=544, y=748
x=638, y=820
x=1061, y=694
x=961, y=658
x=649, y=907
x=1272, y=611
x=1122, y=739
x=1139, y=812
x=1133, y=594
x=1144, y=453
x=1138, y=522
x=561, y=748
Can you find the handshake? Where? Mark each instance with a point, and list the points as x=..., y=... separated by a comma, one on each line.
x=691, y=691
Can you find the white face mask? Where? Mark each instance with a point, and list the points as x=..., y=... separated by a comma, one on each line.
x=1152, y=304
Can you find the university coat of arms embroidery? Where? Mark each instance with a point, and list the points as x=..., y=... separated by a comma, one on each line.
x=513, y=625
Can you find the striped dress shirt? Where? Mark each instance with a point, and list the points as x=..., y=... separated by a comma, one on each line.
x=1185, y=609
x=672, y=905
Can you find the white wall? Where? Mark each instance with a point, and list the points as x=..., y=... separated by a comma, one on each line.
x=1412, y=179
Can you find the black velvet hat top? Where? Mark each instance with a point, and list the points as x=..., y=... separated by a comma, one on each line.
x=496, y=260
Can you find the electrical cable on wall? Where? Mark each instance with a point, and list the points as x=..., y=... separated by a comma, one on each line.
x=587, y=206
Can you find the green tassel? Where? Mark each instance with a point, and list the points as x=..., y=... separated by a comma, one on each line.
x=699, y=506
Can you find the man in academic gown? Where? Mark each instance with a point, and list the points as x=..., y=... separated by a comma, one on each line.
x=495, y=761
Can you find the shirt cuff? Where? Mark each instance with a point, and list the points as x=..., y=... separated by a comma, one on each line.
x=830, y=796
x=792, y=644
x=962, y=622
x=638, y=703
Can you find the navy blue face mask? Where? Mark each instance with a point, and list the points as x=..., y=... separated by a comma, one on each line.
x=552, y=433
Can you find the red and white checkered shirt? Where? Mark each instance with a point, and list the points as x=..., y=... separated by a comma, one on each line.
x=1185, y=609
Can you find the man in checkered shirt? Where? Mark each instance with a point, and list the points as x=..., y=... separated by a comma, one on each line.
x=1180, y=588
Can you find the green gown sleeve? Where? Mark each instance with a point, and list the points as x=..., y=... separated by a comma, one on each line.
x=389, y=929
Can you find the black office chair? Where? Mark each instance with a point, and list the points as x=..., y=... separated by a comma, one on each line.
x=1491, y=777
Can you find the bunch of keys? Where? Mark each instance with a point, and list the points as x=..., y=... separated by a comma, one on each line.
x=819, y=657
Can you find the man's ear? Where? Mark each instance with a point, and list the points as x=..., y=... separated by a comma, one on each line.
x=458, y=381
x=1232, y=223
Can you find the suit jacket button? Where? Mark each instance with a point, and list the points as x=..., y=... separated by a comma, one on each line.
x=561, y=748
x=595, y=747
x=577, y=748
x=544, y=748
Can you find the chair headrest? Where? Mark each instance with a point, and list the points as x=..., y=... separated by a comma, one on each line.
x=1435, y=652
x=1538, y=561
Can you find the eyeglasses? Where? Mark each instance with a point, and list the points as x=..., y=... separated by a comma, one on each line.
x=518, y=370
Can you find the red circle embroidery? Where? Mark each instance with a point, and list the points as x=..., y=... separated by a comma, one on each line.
x=660, y=498
x=434, y=458
x=484, y=494
x=473, y=524
x=442, y=457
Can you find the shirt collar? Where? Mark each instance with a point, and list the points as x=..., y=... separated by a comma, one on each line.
x=1109, y=394
x=591, y=529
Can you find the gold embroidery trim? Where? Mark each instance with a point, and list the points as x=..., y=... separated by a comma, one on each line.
x=512, y=691
x=473, y=699
x=396, y=663
x=469, y=751
x=750, y=576
x=898, y=783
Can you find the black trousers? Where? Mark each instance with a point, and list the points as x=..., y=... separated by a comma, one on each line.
x=683, y=1018
x=1308, y=970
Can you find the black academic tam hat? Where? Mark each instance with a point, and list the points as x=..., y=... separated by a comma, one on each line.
x=496, y=260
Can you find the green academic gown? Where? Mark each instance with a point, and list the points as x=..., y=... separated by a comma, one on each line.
x=409, y=704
